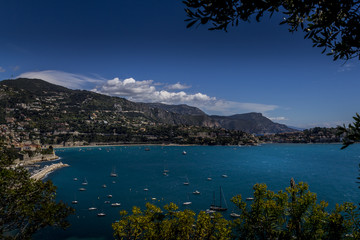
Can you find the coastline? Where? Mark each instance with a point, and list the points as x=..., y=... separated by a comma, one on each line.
x=48, y=169
x=124, y=145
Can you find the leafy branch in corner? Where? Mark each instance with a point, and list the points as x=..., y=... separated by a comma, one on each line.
x=333, y=25
x=351, y=134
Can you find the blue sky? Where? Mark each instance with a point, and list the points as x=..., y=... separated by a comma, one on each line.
x=141, y=50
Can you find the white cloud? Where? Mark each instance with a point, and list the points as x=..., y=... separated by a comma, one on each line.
x=145, y=91
x=149, y=91
x=177, y=86
x=2, y=69
x=346, y=67
x=278, y=118
x=69, y=80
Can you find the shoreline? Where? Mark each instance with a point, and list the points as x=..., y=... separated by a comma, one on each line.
x=48, y=169
x=130, y=145
x=177, y=145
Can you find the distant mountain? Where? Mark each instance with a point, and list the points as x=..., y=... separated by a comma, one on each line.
x=32, y=95
x=180, y=109
x=251, y=123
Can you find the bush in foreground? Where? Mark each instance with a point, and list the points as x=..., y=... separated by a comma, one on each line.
x=290, y=214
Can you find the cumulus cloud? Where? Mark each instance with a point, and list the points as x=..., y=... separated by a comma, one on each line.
x=177, y=86
x=145, y=91
x=2, y=69
x=69, y=80
x=149, y=91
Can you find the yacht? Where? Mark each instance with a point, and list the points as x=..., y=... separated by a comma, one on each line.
x=101, y=214
x=82, y=189
x=184, y=152
x=92, y=208
x=196, y=192
x=116, y=204
x=219, y=207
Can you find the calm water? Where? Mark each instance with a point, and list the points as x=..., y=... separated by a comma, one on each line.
x=330, y=172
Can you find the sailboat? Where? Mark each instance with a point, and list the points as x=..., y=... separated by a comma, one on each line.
x=187, y=181
x=166, y=170
x=74, y=201
x=188, y=201
x=85, y=182
x=219, y=207
x=113, y=173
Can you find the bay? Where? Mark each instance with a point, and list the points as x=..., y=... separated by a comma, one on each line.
x=330, y=172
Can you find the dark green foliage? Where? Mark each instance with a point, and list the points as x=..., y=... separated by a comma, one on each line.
x=170, y=223
x=290, y=214
x=351, y=134
x=332, y=25
x=26, y=205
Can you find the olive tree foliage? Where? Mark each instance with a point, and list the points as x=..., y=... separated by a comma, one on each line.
x=290, y=214
x=26, y=205
x=293, y=214
x=332, y=25
x=170, y=223
x=351, y=133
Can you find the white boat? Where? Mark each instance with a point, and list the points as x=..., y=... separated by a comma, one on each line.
x=92, y=208
x=208, y=211
x=196, y=192
x=101, y=214
x=107, y=202
x=187, y=181
x=234, y=215
x=74, y=202
x=249, y=199
x=187, y=203
x=113, y=173
x=75, y=179
x=85, y=182
x=82, y=189
x=146, y=189
x=224, y=176
x=116, y=204
x=104, y=185
x=109, y=196
x=184, y=152
x=209, y=179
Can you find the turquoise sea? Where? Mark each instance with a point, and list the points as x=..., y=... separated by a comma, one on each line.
x=330, y=172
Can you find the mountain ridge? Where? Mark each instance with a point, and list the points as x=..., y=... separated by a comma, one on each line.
x=78, y=100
